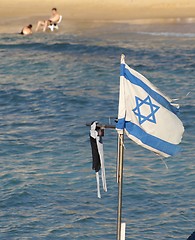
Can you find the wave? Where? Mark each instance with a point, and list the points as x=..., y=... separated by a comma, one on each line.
x=169, y=34
x=78, y=48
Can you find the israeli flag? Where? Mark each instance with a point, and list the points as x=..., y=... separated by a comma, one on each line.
x=148, y=116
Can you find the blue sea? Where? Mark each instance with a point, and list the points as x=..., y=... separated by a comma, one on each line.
x=51, y=85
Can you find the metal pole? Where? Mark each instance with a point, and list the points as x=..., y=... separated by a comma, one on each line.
x=120, y=183
x=103, y=126
x=117, y=160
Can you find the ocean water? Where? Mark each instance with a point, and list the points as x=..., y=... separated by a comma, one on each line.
x=51, y=85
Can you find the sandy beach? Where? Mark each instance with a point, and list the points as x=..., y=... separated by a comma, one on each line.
x=16, y=13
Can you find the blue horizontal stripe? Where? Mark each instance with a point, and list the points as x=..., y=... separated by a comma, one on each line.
x=152, y=141
x=156, y=96
x=121, y=123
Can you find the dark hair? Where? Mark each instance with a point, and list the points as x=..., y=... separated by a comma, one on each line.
x=30, y=26
x=54, y=9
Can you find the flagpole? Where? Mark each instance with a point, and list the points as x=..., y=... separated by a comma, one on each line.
x=117, y=159
x=120, y=182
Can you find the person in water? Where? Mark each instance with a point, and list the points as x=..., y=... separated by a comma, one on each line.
x=53, y=19
x=27, y=30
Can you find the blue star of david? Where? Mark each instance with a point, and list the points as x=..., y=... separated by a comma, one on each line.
x=146, y=106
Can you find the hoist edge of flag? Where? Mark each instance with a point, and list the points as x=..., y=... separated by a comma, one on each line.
x=120, y=124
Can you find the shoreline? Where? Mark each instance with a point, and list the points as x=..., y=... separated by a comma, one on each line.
x=15, y=14
x=77, y=26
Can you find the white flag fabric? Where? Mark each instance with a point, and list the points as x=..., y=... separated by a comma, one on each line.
x=148, y=116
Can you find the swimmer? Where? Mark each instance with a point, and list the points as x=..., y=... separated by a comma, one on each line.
x=27, y=30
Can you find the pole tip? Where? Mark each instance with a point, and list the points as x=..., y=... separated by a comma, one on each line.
x=122, y=58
